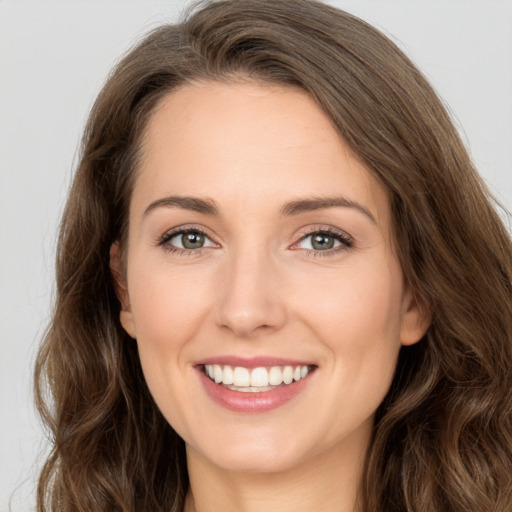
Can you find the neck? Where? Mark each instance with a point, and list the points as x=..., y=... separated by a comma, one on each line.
x=329, y=482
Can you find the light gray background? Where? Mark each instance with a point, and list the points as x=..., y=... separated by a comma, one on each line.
x=54, y=56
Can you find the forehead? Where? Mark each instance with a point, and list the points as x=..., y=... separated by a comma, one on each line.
x=260, y=143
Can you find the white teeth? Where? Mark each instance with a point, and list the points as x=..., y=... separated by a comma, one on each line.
x=228, y=375
x=257, y=379
x=217, y=373
x=288, y=375
x=241, y=377
x=275, y=376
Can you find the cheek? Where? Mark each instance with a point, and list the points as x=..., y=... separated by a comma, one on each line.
x=168, y=308
x=357, y=307
x=357, y=317
x=167, y=305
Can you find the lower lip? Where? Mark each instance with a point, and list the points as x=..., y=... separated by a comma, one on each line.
x=251, y=402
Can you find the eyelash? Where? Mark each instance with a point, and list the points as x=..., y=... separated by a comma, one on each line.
x=346, y=242
x=163, y=241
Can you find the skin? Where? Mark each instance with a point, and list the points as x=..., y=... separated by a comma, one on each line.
x=258, y=288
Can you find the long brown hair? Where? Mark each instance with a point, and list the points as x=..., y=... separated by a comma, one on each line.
x=443, y=436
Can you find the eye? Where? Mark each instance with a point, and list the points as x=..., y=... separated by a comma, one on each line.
x=186, y=240
x=323, y=241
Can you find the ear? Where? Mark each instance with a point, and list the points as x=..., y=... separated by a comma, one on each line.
x=415, y=318
x=121, y=288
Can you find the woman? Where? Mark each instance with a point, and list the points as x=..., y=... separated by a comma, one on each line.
x=281, y=282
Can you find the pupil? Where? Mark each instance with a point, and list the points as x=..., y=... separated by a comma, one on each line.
x=322, y=242
x=192, y=240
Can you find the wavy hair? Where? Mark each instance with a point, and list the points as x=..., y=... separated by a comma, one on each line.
x=442, y=439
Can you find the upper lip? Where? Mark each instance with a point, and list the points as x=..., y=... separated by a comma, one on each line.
x=252, y=362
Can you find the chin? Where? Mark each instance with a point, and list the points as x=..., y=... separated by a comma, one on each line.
x=255, y=455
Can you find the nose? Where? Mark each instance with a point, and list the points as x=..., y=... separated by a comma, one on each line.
x=250, y=299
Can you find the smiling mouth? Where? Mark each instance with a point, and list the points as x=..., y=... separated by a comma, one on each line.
x=255, y=380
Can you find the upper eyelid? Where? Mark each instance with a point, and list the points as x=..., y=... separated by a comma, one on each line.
x=324, y=229
x=346, y=241
x=185, y=229
x=301, y=234
x=163, y=240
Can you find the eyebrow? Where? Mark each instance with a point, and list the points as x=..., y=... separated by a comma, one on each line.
x=206, y=206
x=209, y=207
x=320, y=203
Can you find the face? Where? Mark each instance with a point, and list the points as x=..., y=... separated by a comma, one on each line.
x=262, y=288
